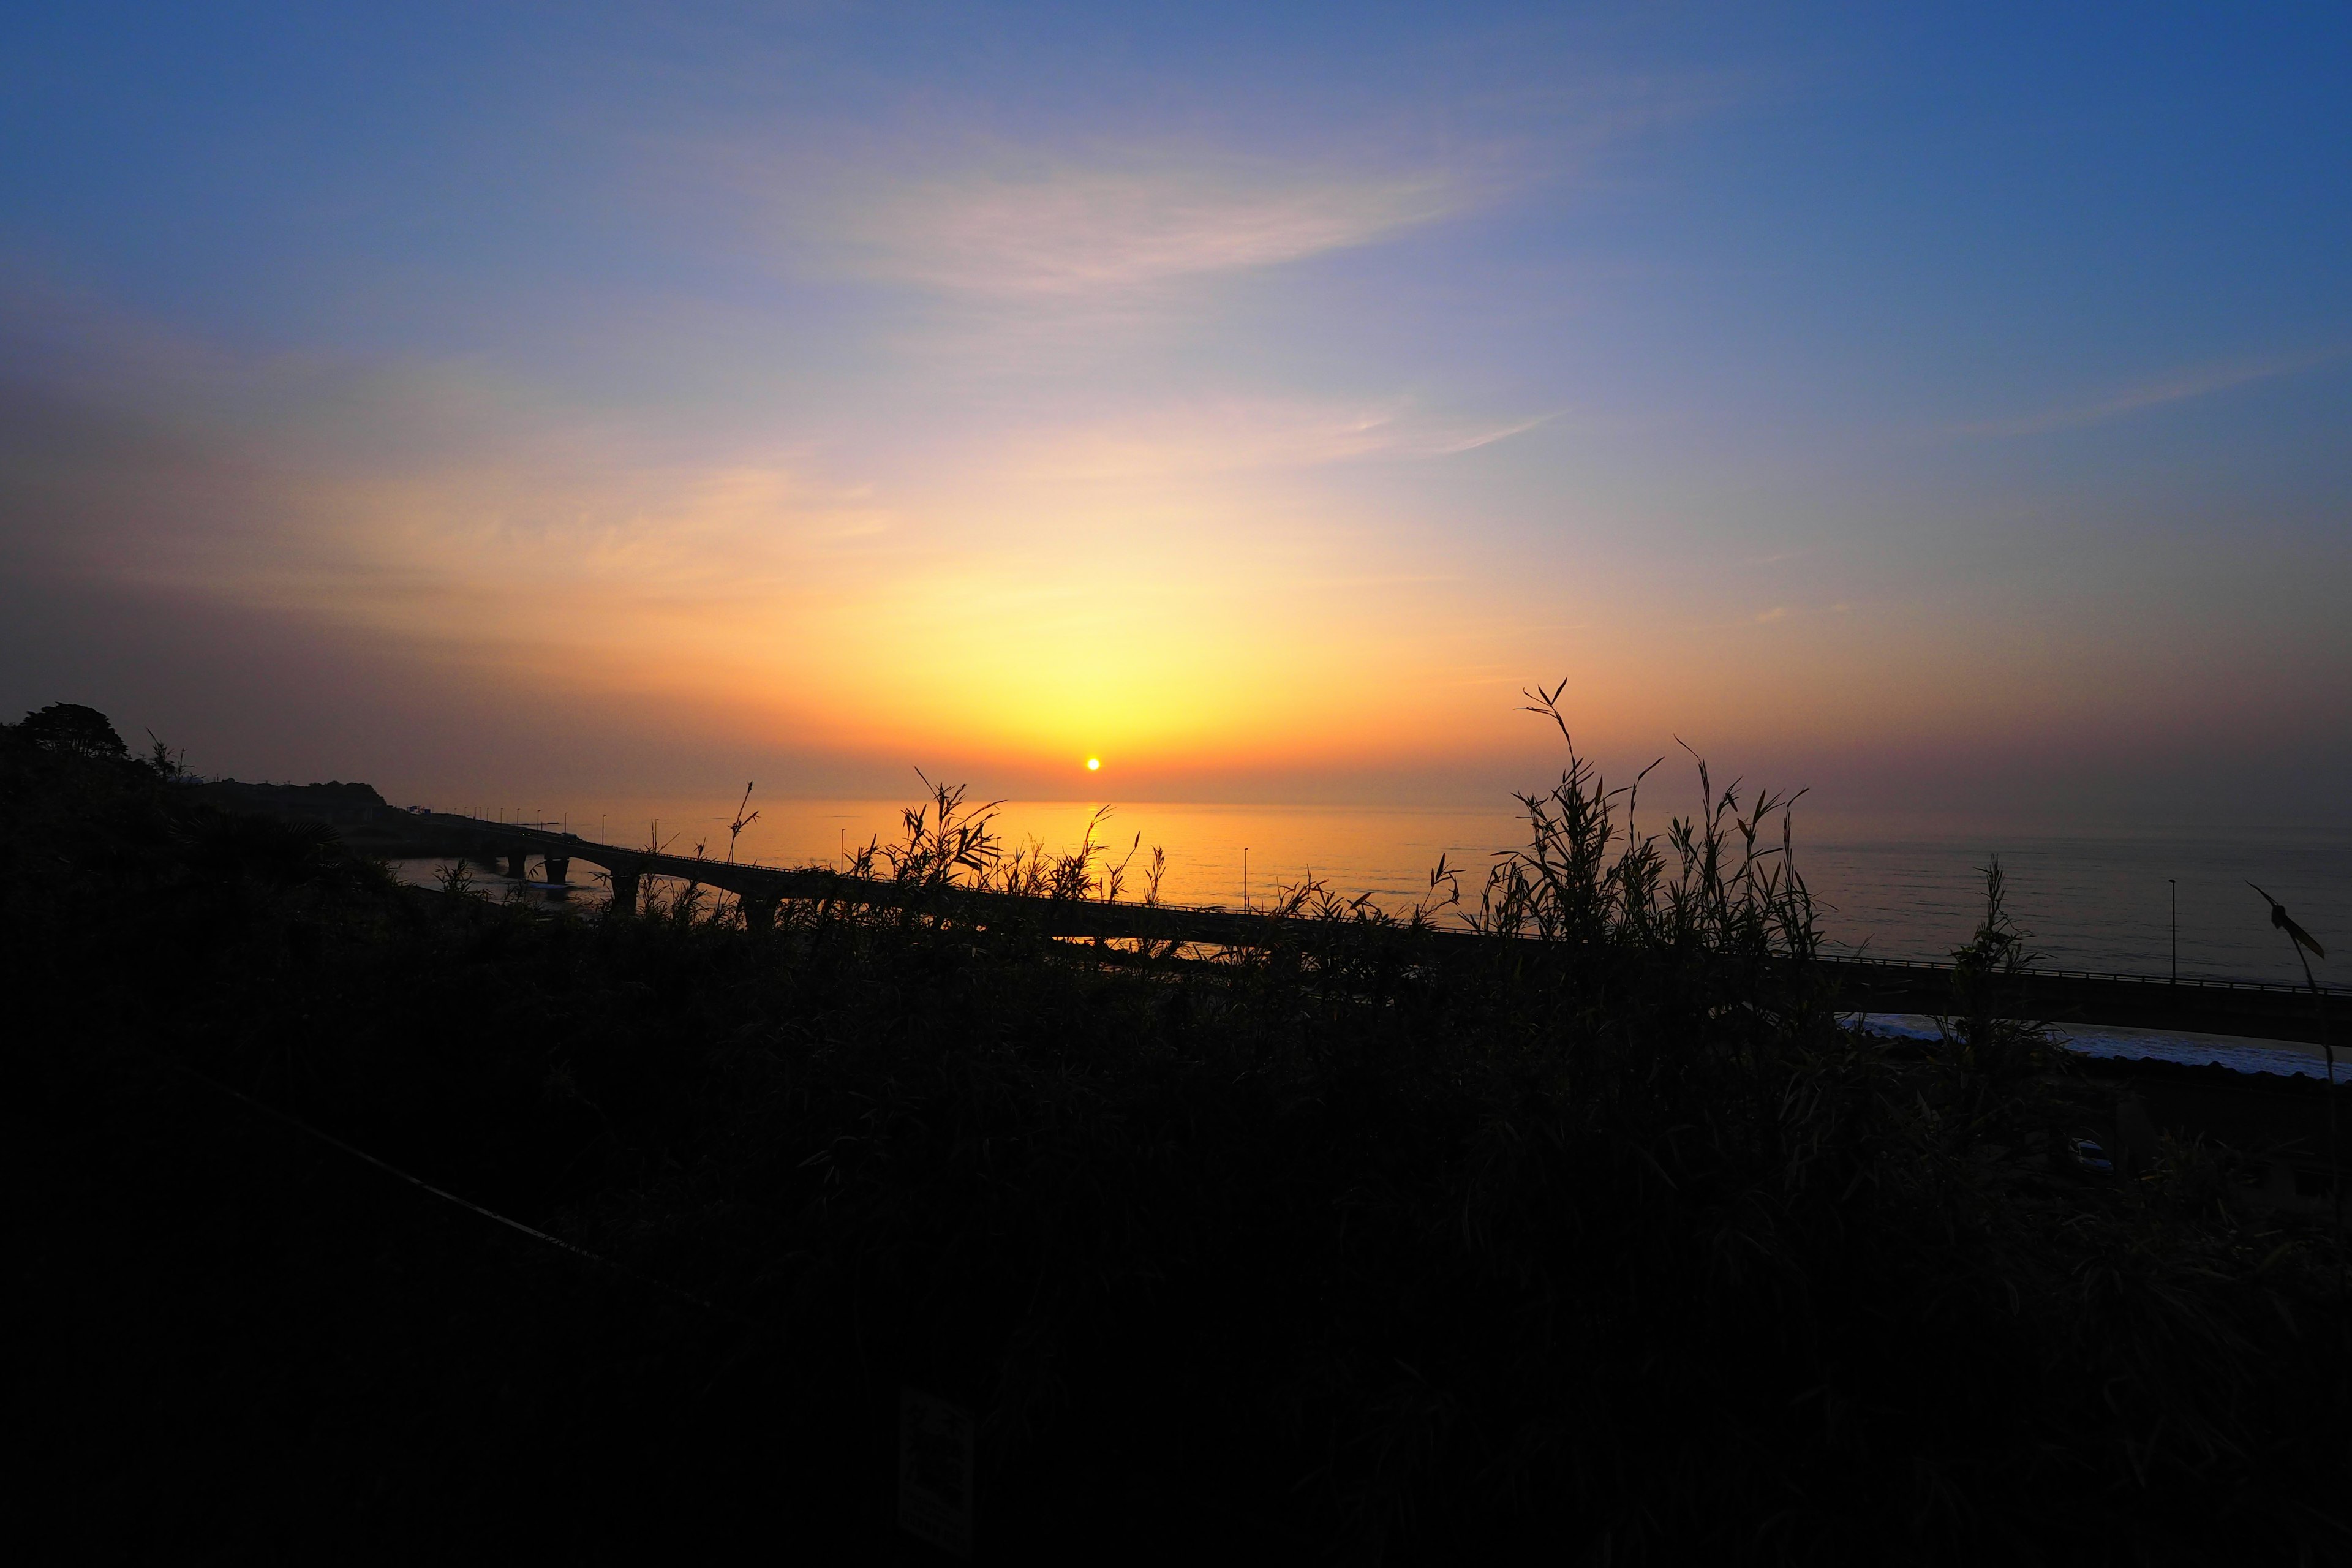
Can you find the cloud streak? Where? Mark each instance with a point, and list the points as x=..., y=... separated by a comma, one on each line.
x=2180, y=387
x=1237, y=435
x=1076, y=232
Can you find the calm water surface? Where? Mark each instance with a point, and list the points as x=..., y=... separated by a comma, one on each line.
x=2089, y=903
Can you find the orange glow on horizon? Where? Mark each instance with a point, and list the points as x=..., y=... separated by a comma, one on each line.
x=1202, y=624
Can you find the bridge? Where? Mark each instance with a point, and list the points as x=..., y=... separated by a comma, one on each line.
x=2243, y=1008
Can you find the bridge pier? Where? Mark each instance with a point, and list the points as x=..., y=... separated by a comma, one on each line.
x=517, y=862
x=624, y=894
x=758, y=911
x=559, y=869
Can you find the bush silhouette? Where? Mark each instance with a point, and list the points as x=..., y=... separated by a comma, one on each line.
x=70, y=727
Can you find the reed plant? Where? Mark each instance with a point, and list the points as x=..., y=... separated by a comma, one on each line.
x=1997, y=1053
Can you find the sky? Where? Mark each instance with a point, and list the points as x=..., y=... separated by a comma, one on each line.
x=1945, y=410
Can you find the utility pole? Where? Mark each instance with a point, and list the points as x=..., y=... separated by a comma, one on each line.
x=2174, y=882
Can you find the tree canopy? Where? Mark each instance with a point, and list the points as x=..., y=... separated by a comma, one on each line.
x=70, y=727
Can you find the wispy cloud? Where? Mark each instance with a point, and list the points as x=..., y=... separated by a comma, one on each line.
x=1503, y=433
x=1079, y=231
x=1239, y=433
x=404, y=494
x=2178, y=388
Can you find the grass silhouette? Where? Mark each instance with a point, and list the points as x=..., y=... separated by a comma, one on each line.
x=1610, y=1242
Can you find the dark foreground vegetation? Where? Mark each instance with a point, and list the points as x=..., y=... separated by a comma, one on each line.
x=1610, y=1246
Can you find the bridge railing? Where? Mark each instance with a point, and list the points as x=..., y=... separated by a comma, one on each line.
x=2184, y=983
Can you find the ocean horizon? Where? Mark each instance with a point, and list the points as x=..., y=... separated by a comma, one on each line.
x=2107, y=903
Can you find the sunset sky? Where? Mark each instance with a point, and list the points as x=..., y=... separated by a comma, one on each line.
x=1949, y=412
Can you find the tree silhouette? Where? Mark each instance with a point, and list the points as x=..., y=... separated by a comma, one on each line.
x=70, y=727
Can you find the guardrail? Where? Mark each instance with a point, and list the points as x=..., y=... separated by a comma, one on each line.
x=2186, y=982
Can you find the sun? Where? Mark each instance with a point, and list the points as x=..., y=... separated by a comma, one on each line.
x=1094, y=764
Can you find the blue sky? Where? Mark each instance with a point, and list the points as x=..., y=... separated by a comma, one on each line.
x=1940, y=409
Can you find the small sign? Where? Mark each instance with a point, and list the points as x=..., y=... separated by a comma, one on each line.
x=935, y=1459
